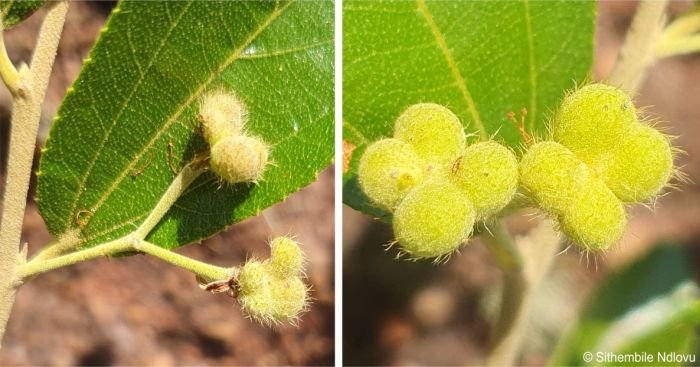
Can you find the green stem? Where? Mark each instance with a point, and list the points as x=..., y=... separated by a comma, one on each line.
x=8, y=73
x=26, y=113
x=188, y=174
x=53, y=249
x=678, y=46
x=202, y=269
x=37, y=267
x=122, y=244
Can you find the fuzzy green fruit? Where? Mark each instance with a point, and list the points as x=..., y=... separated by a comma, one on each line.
x=388, y=169
x=488, y=172
x=269, y=298
x=640, y=167
x=433, y=131
x=239, y=159
x=551, y=174
x=433, y=220
x=595, y=218
x=594, y=120
x=286, y=259
x=222, y=115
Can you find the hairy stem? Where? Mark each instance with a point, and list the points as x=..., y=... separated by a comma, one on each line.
x=202, y=269
x=507, y=331
x=523, y=273
x=188, y=174
x=25, y=123
x=33, y=268
x=126, y=243
x=637, y=52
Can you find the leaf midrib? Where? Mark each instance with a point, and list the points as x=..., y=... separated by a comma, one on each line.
x=452, y=65
x=533, y=68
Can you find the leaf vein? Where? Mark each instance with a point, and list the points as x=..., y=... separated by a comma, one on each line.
x=461, y=84
x=533, y=68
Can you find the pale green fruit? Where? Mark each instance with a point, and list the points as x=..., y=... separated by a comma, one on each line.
x=388, y=169
x=433, y=220
x=222, y=115
x=551, y=174
x=640, y=167
x=433, y=131
x=595, y=218
x=286, y=259
x=239, y=159
x=269, y=298
x=593, y=120
x=488, y=172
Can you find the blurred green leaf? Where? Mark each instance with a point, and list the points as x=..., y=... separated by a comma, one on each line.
x=108, y=156
x=15, y=11
x=482, y=59
x=651, y=306
x=663, y=327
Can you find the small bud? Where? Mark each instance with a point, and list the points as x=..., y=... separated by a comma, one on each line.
x=433, y=131
x=388, y=169
x=488, y=172
x=434, y=219
x=239, y=159
x=222, y=115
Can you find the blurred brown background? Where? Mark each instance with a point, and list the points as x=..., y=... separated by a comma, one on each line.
x=138, y=310
x=413, y=313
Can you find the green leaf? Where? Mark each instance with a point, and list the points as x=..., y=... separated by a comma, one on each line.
x=482, y=59
x=107, y=159
x=654, y=288
x=15, y=11
x=664, y=328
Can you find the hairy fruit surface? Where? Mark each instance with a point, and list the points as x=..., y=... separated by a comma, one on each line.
x=239, y=159
x=602, y=157
x=222, y=115
x=640, y=167
x=433, y=131
x=272, y=290
x=389, y=169
x=593, y=120
x=433, y=220
x=488, y=172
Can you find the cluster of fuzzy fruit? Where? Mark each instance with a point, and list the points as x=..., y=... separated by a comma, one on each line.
x=234, y=156
x=273, y=290
x=435, y=185
x=599, y=157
